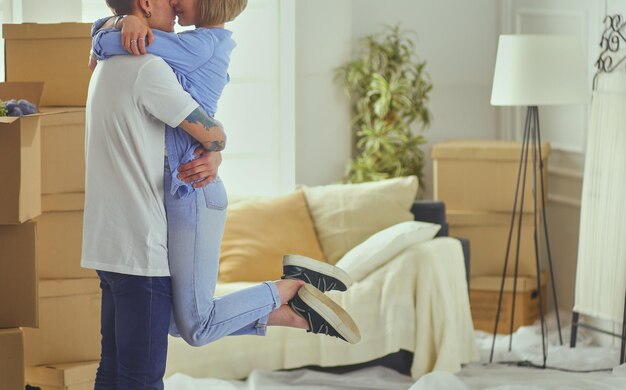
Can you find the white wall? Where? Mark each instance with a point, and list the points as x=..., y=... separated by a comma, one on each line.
x=323, y=42
x=52, y=11
x=458, y=40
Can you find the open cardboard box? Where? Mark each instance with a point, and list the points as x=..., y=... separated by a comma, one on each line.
x=20, y=155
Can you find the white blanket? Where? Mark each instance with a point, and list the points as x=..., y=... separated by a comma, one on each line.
x=418, y=302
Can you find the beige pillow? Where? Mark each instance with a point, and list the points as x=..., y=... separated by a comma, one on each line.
x=345, y=215
x=259, y=232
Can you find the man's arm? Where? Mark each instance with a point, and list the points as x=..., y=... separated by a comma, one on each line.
x=206, y=130
x=202, y=170
x=156, y=89
x=158, y=92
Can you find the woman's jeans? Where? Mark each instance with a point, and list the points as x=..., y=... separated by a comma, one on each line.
x=195, y=227
x=134, y=324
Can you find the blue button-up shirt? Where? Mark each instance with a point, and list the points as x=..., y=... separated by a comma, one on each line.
x=200, y=60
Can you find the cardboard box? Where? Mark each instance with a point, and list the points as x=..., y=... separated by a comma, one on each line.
x=488, y=234
x=63, y=202
x=482, y=175
x=63, y=151
x=72, y=376
x=20, y=151
x=11, y=359
x=69, y=323
x=20, y=156
x=53, y=53
x=484, y=295
x=18, y=276
x=59, y=246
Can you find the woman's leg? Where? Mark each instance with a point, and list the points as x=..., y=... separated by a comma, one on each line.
x=195, y=227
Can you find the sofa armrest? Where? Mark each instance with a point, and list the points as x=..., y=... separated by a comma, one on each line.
x=431, y=211
x=434, y=211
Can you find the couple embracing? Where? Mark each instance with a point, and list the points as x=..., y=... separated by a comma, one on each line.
x=155, y=207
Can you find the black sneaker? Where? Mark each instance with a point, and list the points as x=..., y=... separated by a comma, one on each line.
x=324, y=315
x=322, y=275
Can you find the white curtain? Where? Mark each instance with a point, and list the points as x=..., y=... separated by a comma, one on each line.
x=601, y=269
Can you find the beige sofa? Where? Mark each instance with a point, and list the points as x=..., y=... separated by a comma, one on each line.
x=410, y=292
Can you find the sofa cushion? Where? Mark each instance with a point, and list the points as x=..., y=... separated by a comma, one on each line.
x=347, y=214
x=383, y=246
x=259, y=232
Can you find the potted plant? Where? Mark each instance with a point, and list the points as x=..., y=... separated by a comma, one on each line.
x=389, y=91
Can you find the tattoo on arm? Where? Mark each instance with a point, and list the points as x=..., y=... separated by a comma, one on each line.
x=198, y=124
x=215, y=146
x=199, y=116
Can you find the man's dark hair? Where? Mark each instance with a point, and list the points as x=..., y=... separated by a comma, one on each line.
x=121, y=7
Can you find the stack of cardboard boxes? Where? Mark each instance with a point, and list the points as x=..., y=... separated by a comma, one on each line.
x=477, y=181
x=49, y=303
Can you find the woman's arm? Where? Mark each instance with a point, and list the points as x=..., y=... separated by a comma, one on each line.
x=102, y=23
x=183, y=52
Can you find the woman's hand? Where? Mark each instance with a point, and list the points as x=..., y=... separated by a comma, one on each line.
x=136, y=35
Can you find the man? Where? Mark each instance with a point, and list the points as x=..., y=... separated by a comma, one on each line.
x=125, y=229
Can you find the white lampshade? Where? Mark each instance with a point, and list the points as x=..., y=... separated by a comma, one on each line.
x=537, y=70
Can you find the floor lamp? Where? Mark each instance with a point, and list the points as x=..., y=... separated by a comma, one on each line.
x=532, y=71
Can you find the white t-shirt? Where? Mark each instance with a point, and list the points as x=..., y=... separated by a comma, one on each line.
x=125, y=228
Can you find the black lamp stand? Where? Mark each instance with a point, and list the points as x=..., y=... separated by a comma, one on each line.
x=531, y=151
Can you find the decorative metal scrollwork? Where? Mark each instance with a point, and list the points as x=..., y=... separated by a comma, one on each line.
x=612, y=38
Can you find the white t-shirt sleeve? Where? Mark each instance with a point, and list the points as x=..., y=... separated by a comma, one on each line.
x=157, y=90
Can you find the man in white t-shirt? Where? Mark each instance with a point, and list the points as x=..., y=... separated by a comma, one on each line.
x=125, y=228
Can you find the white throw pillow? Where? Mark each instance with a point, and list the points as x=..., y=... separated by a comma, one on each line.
x=346, y=214
x=383, y=246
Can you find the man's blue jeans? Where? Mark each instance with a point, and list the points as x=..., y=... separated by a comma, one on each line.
x=135, y=321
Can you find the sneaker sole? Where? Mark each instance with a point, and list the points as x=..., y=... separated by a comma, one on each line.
x=334, y=314
x=318, y=266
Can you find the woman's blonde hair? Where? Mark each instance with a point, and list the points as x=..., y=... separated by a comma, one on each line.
x=214, y=12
